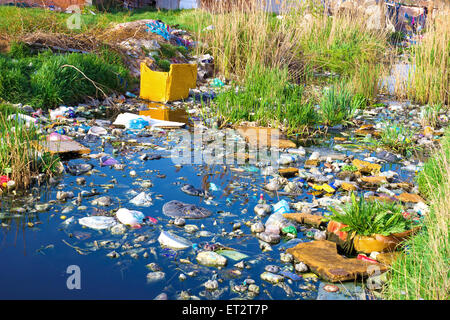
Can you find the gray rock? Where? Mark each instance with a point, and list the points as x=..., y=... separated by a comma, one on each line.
x=257, y=227
x=41, y=207
x=192, y=191
x=119, y=229
x=286, y=257
x=102, y=201
x=210, y=258
x=301, y=267
x=178, y=209
x=262, y=209
x=271, y=277
x=155, y=276
x=269, y=237
x=211, y=284
x=272, y=268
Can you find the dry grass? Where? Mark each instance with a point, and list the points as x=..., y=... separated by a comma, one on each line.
x=245, y=36
x=430, y=79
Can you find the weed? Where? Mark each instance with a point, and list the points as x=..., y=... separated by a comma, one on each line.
x=338, y=105
x=367, y=218
x=396, y=137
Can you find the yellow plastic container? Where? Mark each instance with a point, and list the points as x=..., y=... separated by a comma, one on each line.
x=168, y=86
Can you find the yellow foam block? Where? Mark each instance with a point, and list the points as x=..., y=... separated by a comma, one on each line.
x=168, y=86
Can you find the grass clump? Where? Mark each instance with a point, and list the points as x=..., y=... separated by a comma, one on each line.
x=395, y=137
x=366, y=218
x=267, y=98
x=338, y=105
x=424, y=272
x=47, y=80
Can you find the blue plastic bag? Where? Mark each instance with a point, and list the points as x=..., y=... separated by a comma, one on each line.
x=138, y=124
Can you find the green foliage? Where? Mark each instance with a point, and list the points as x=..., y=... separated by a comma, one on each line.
x=46, y=80
x=350, y=168
x=19, y=50
x=269, y=98
x=396, y=137
x=338, y=105
x=431, y=174
x=19, y=158
x=366, y=218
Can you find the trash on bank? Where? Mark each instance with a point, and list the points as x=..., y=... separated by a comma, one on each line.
x=134, y=121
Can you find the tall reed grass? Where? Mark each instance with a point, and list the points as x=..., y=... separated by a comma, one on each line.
x=304, y=39
x=430, y=75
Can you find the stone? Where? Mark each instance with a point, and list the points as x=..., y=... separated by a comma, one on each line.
x=271, y=277
x=262, y=209
x=311, y=163
x=161, y=296
x=305, y=218
x=118, y=229
x=211, y=284
x=153, y=267
x=322, y=258
x=178, y=209
x=211, y=259
x=257, y=227
x=320, y=235
x=191, y=228
x=81, y=180
x=102, y=201
x=366, y=167
x=269, y=237
x=192, y=191
x=301, y=267
x=155, y=276
x=253, y=288
x=179, y=222
x=41, y=207
x=331, y=288
x=410, y=197
x=286, y=257
x=272, y=268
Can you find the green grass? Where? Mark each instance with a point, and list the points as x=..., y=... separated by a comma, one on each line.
x=46, y=80
x=19, y=158
x=268, y=98
x=395, y=137
x=338, y=105
x=423, y=272
x=432, y=170
x=18, y=21
x=367, y=218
